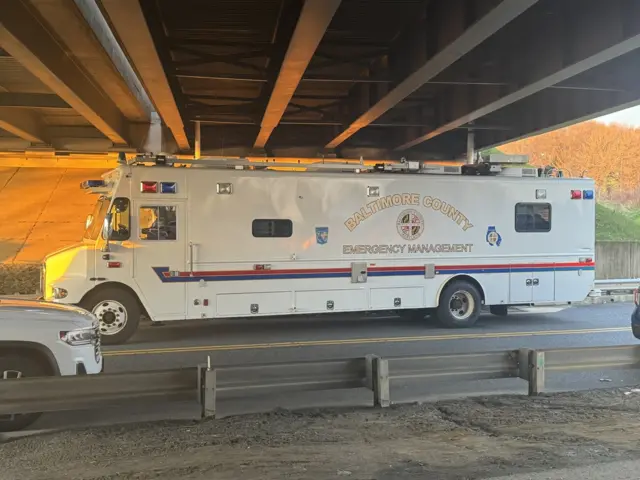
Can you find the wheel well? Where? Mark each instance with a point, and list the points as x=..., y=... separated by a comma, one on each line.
x=465, y=278
x=36, y=351
x=121, y=286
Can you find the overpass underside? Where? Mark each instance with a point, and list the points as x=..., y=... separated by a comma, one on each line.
x=350, y=78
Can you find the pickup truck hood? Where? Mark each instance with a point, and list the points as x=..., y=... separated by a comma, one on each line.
x=33, y=310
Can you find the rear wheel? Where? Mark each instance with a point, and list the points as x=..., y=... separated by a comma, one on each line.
x=459, y=305
x=17, y=366
x=117, y=311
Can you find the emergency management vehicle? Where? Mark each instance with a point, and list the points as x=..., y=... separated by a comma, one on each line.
x=210, y=238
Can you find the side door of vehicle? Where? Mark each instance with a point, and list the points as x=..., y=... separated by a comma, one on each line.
x=160, y=256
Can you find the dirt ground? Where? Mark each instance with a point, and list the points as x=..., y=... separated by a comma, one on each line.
x=464, y=439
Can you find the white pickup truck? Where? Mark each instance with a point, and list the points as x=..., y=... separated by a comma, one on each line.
x=40, y=339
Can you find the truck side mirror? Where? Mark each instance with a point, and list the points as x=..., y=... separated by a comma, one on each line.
x=107, y=228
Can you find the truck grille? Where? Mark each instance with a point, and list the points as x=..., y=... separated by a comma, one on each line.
x=96, y=342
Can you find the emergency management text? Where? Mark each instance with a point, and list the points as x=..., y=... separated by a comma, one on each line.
x=399, y=199
x=407, y=248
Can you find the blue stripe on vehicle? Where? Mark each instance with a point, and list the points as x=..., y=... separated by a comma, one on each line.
x=385, y=273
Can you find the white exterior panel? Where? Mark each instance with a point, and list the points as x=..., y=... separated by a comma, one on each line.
x=419, y=232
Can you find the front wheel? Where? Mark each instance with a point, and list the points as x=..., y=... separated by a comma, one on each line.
x=459, y=305
x=117, y=311
x=17, y=366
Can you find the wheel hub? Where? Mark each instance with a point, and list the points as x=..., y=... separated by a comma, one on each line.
x=461, y=305
x=112, y=316
x=109, y=317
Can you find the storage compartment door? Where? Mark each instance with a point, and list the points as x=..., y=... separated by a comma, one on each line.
x=544, y=286
x=520, y=287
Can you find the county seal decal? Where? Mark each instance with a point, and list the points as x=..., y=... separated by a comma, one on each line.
x=322, y=235
x=410, y=224
x=493, y=237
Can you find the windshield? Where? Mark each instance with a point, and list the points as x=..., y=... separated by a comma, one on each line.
x=93, y=229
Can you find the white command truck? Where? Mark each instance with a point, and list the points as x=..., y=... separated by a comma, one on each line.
x=193, y=239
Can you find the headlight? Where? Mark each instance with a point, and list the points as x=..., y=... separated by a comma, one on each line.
x=59, y=293
x=81, y=336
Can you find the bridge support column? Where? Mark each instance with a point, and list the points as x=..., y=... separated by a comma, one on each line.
x=471, y=145
x=198, y=143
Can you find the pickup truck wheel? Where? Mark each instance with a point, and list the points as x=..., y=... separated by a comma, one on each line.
x=16, y=366
x=459, y=305
x=118, y=313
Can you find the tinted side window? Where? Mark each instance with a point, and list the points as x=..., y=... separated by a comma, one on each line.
x=157, y=222
x=271, y=228
x=533, y=217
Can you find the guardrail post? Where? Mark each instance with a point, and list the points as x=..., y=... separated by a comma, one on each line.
x=536, y=372
x=523, y=363
x=380, y=377
x=368, y=361
x=207, y=389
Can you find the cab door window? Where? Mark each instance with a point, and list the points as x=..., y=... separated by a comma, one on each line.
x=120, y=216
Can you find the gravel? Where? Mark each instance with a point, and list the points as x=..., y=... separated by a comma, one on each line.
x=476, y=438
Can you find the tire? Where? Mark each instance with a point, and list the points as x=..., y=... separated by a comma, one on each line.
x=28, y=366
x=468, y=295
x=499, y=310
x=118, y=312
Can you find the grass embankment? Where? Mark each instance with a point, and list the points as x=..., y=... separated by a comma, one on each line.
x=617, y=225
x=19, y=278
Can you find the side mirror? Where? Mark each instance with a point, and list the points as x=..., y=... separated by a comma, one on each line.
x=107, y=229
x=89, y=221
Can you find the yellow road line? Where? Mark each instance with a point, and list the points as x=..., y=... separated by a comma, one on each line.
x=356, y=341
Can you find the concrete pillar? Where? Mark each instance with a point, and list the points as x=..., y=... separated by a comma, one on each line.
x=197, y=148
x=470, y=146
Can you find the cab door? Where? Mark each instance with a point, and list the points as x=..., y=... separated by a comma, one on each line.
x=160, y=257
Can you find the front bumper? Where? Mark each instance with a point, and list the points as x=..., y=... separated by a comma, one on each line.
x=81, y=368
x=80, y=359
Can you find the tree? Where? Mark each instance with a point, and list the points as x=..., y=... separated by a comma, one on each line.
x=610, y=154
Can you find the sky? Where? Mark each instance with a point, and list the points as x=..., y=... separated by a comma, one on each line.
x=630, y=117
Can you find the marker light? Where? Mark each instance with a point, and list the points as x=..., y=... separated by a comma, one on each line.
x=587, y=194
x=224, y=188
x=167, y=187
x=576, y=194
x=149, y=187
x=541, y=194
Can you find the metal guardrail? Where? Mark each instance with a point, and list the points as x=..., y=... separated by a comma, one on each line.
x=618, y=286
x=52, y=394
x=205, y=383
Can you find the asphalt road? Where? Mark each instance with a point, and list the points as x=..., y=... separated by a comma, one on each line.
x=256, y=340
x=244, y=341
